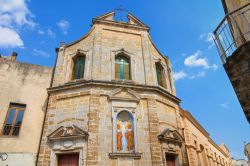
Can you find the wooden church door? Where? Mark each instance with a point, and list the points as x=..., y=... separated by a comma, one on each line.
x=170, y=160
x=68, y=160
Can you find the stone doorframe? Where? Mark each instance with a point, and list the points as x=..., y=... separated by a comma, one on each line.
x=171, y=143
x=68, y=140
x=54, y=155
x=176, y=154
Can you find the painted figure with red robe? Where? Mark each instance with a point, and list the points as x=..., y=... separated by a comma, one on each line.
x=125, y=135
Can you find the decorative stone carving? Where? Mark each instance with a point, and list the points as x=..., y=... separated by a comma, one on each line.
x=67, y=144
x=68, y=139
x=67, y=133
x=170, y=136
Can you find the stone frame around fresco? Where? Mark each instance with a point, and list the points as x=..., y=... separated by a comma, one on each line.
x=116, y=107
x=68, y=144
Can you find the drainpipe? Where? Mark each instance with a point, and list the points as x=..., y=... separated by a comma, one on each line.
x=47, y=103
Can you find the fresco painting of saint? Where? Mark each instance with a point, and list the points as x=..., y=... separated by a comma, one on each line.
x=125, y=135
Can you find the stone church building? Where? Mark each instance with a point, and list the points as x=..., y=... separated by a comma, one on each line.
x=111, y=102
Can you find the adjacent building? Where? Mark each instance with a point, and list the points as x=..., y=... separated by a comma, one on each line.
x=232, y=38
x=111, y=102
x=247, y=152
x=201, y=149
x=240, y=162
x=23, y=94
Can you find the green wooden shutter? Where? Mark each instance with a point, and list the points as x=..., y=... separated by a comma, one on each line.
x=117, y=71
x=158, y=75
x=122, y=68
x=79, y=68
x=126, y=72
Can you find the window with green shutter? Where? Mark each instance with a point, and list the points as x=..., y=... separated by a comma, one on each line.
x=78, y=68
x=122, y=67
x=160, y=74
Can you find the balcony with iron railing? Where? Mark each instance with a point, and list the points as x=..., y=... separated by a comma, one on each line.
x=233, y=32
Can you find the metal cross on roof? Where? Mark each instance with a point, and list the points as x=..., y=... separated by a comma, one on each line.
x=121, y=14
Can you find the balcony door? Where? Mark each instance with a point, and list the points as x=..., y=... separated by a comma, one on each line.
x=68, y=160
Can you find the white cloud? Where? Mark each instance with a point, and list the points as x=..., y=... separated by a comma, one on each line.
x=195, y=61
x=225, y=105
x=38, y=52
x=64, y=26
x=207, y=37
x=15, y=12
x=179, y=75
x=13, y=15
x=9, y=38
x=41, y=32
x=198, y=75
x=51, y=33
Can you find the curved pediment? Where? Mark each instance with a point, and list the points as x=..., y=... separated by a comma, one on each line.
x=68, y=132
x=169, y=135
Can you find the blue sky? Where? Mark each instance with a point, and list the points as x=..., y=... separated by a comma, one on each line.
x=180, y=29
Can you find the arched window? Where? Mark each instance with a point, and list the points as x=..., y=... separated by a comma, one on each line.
x=122, y=67
x=125, y=132
x=160, y=75
x=78, y=67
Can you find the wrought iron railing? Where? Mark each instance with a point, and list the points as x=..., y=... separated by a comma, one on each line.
x=11, y=130
x=233, y=31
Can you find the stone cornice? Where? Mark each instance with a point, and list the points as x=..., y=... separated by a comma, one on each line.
x=115, y=84
x=125, y=155
x=120, y=24
x=189, y=116
x=82, y=38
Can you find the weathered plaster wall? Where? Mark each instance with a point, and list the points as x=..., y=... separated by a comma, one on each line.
x=19, y=159
x=240, y=162
x=23, y=83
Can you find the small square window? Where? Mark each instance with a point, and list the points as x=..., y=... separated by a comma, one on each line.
x=13, y=119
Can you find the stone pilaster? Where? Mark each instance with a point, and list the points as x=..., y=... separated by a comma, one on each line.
x=156, y=153
x=93, y=130
x=44, y=151
x=147, y=59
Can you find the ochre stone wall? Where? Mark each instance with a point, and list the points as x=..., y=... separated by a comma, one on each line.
x=101, y=44
x=201, y=149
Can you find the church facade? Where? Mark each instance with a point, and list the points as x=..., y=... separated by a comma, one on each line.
x=112, y=102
